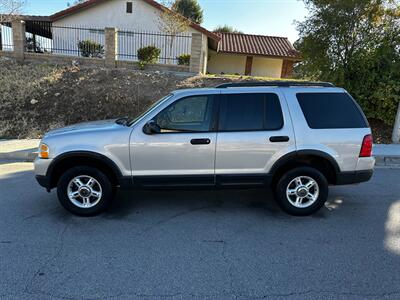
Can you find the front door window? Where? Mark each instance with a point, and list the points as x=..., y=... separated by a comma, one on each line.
x=191, y=114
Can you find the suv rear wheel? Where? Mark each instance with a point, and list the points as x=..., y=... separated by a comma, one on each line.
x=84, y=191
x=302, y=191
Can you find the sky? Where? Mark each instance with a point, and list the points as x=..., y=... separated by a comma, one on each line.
x=266, y=17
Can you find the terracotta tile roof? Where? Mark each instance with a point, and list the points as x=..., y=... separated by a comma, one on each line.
x=87, y=4
x=257, y=45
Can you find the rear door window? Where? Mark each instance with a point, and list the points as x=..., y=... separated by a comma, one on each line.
x=250, y=112
x=331, y=110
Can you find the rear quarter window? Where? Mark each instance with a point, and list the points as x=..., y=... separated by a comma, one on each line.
x=331, y=110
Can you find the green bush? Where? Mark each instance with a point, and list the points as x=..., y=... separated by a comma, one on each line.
x=33, y=46
x=90, y=48
x=183, y=59
x=148, y=55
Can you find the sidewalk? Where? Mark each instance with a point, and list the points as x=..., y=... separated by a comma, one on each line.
x=19, y=150
x=387, y=155
x=26, y=150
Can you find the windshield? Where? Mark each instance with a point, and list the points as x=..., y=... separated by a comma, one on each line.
x=153, y=106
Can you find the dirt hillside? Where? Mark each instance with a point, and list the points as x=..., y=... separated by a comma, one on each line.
x=37, y=97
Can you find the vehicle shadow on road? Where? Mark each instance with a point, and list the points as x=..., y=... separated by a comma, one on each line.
x=129, y=203
x=255, y=201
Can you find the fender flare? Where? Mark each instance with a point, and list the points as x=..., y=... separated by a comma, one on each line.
x=295, y=154
x=82, y=154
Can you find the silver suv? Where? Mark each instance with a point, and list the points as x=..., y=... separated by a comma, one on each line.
x=294, y=137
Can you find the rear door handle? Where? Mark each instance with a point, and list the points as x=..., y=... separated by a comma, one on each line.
x=277, y=139
x=200, y=141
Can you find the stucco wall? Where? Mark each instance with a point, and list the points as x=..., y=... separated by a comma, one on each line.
x=226, y=63
x=113, y=14
x=236, y=64
x=267, y=67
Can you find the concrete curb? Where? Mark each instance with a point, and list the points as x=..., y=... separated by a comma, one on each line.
x=388, y=161
x=28, y=155
x=19, y=150
x=387, y=155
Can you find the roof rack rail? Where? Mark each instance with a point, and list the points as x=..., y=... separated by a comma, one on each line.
x=274, y=83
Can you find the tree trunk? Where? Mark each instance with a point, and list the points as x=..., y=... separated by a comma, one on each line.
x=396, y=129
x=1, y=40
x=171, y=60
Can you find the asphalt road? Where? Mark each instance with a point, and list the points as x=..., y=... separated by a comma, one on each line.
x=226, y=244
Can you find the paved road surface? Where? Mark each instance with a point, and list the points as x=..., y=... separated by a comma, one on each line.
x=202, y=245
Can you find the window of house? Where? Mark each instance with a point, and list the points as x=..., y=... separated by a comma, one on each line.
x=250, y=112
x=191, y=114
x=129, y=7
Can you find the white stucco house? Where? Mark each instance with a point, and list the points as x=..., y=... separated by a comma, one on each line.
x=139, y=24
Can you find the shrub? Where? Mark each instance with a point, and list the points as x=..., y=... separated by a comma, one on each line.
x=148, y=55
x=184, y=59
x=90, y=48
x=33, y=46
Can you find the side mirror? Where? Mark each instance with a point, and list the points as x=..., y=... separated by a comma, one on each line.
x=151, y=127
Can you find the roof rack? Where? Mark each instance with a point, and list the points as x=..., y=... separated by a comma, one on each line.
x=275, y=83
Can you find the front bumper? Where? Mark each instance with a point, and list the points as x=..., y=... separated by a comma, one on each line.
x=43, y=181
x=41, y=166
x=354, y=177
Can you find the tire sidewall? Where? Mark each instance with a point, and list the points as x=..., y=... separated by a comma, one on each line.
x=65, y=179
x=284, y=203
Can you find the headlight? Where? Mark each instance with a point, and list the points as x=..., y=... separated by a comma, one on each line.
x=44, y=151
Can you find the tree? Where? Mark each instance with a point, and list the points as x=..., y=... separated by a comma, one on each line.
x=354, y=44
x=189, y=9
x=9, y=9
x=226, y=29
x=172, y=23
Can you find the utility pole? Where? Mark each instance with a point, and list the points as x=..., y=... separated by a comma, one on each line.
x=396, y=129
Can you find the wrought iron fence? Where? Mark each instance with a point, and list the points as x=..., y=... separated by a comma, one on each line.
x=79, y=41
x=171, y=46
x=44, y=37
x=74, y=41
x=6, y=37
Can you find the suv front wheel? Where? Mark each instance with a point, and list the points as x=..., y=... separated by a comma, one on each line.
x=84, y=191
x=302, y=191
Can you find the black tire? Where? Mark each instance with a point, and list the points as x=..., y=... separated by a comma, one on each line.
x=102, y=180
x=286, y=179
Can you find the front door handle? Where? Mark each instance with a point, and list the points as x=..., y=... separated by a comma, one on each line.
x=200, y=141
x=277, y=139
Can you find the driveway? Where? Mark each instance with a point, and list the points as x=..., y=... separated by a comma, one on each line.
x=227, y=244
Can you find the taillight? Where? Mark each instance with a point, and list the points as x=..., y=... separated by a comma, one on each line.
x=366, y=147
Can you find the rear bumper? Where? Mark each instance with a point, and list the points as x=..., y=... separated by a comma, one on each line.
x=353, y=177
